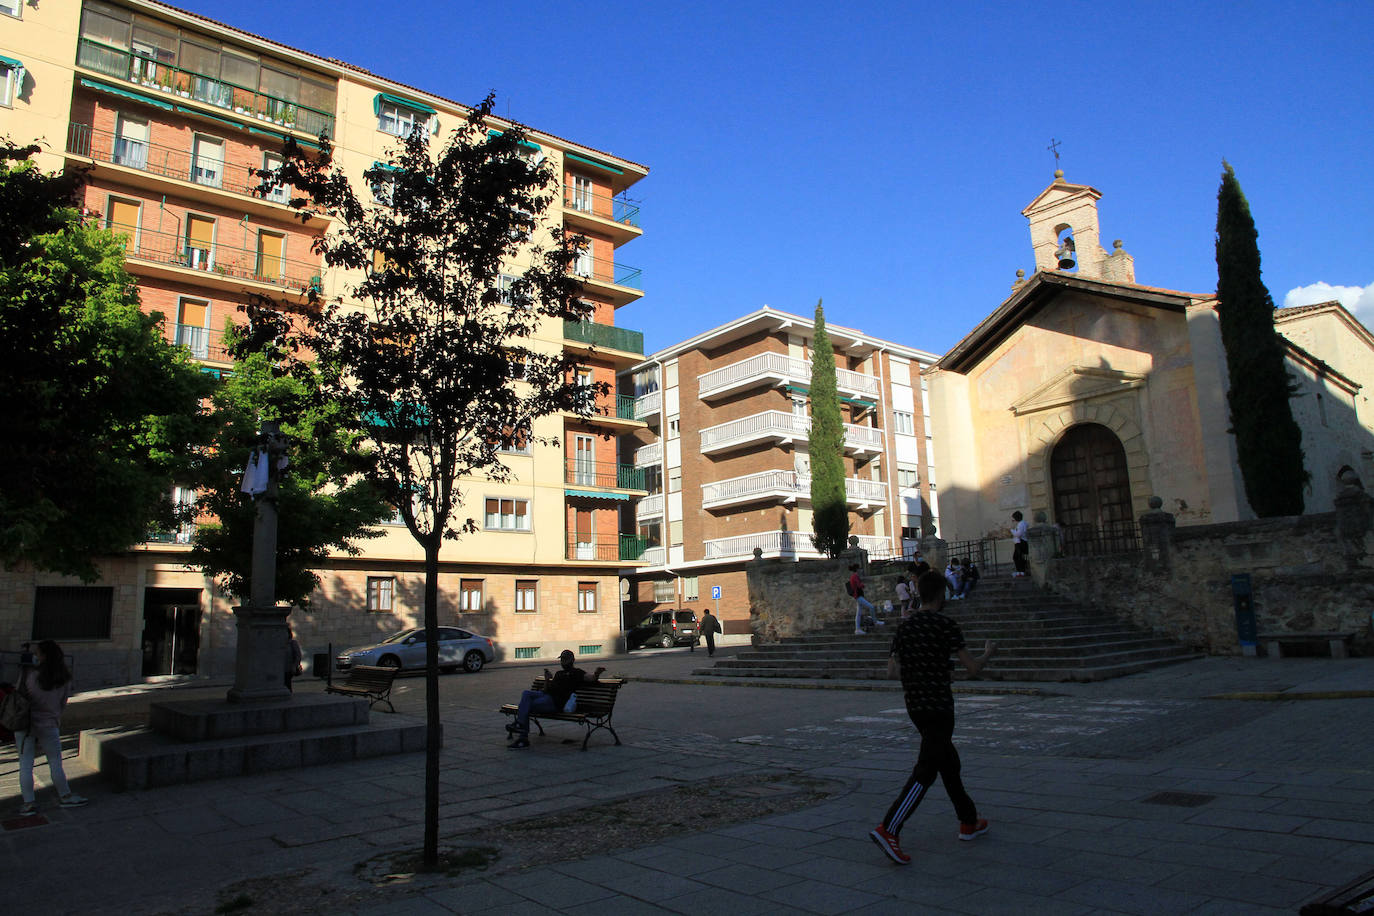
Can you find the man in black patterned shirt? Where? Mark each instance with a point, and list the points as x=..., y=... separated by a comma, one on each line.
x=921, y=651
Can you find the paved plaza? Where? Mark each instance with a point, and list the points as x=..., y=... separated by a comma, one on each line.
x=1214, y=786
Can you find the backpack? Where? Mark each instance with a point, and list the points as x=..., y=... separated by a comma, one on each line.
x=849, y=588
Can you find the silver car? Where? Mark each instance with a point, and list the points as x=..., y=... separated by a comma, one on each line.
x=457, y=648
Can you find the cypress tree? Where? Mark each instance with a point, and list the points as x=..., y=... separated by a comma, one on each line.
x=1268, y=440
x=829, y=514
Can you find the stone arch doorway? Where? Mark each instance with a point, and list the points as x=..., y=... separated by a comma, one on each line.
x=1091, y=483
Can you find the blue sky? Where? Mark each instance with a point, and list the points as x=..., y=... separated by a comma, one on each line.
x=879, y=154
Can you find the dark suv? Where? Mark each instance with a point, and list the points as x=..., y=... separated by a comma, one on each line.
x=664, y=629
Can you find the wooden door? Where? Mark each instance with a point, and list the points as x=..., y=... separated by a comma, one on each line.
x=1092, y=487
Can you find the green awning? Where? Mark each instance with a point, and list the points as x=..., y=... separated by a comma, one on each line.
x=127, y=94
x=402, y=102
x=595, y=494
x=802, y=389
x=524, y=143
x=16, y=64
x=278, y=135
x=595, y=163
x=197, y=113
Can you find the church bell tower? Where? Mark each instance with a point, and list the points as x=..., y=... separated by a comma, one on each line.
x=1065, y=238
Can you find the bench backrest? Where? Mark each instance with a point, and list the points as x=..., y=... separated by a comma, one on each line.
x=592, y=699
x=371, y=676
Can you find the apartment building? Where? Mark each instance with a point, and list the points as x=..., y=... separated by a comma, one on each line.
x=168, y=111
x=726, y=458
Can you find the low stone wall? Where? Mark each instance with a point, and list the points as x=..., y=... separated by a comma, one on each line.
x=1303, y=578
x=789, y=598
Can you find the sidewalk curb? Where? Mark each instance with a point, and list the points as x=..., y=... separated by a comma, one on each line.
x=1305, y=695
x=821, y=684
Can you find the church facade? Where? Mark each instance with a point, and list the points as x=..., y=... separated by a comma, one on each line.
x=1084, y=394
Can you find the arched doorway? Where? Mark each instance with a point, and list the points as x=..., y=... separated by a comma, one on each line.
x=1092, y=490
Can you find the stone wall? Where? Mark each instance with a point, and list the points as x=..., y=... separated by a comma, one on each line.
x=1305, y=577
x=791, y=598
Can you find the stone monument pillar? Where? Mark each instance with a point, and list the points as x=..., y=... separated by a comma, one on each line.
x=1043, y=539
x=1354, y=514
x=260, y=658
x=1157, y=536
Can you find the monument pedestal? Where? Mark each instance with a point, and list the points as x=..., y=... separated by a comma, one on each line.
x=262, y=657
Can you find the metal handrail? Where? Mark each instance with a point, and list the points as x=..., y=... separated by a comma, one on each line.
x=604, y=335
x=225, y=260
x=178, y=82
x=604, y=271
x=604, y=474
x=783, y=367
x=617, y=209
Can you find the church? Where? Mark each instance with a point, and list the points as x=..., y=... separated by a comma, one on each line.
x=1085, y=393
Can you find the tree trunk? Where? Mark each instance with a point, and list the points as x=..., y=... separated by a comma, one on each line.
x=432, y=725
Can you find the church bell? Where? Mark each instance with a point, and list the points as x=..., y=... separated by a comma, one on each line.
x=1065, y=254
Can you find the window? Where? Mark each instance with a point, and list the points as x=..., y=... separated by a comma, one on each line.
x=12, y=7
x=507, y=514
x=674, y=480
x=526, y=596
x=670, y=374
x=282, y=194
x=583, y=265
x=379, y=593
x=586, y=597
x=193, y=326
x=200, y=242
x=584, y=534
x=184, y=501
x=798, y=407
x=911, y=526
x=64, y=612
x=9, y=80
x=903, y=422
x=208, y=161
x=271, y=255
x=674, y=427
x=383, y=189
x=584, y=460
x=908, y=477
x=515, y=444
x=665, y=591
x=690, y=588
x=582, y=194
x=131, y=143
x=586, y=394
x=675, y=533
x=398, y=120
x=653, y=479
x=526, y=652
x=470, y=595
x=123, y=216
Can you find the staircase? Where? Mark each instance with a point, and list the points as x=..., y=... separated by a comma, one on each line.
x=1040, y=637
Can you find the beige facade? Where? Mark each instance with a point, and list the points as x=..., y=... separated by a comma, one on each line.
x=169, y=111
x=1084, y=393
x=726, y=449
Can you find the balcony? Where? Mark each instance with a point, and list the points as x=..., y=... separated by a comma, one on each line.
x=649, y=507
x=223, y=264
x=777, y=369
x=163, y=161
x=167, y=84
x=605, y=549
x=618, y=282
x=782, y=544
x=649, y=455
x=788, y=486
x=617, y=217
x=204, y=343
x=603, y=475
x=781, y=427
x=605, y=337
x=647, y=405
x=655, y=556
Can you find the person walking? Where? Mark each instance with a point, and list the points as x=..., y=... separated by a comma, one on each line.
x=855, y=587
x=1020, y=547
x=920, y=655
x=295, y=659
x=48, y=684
x=708, y=628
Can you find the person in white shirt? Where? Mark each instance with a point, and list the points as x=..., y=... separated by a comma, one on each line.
x=1020, y=547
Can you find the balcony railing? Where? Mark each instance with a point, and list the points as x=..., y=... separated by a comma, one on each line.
x=604, y=271
x=167, y=161
x=604, y=335
x=603, y=475
x=646, y=405
x=650, y=506
x=770, y=424
x=779, y=369
x=204, y=343
x=772, y=543
x=784, y=484
x=655, y=556
x=175, y=82
x=617, y=209
x=604, y=548
x=647, y=455
x=225, y=260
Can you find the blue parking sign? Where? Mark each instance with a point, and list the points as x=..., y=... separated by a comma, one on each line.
x=715, y=593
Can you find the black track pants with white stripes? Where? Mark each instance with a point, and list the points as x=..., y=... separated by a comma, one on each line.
x=937, y=758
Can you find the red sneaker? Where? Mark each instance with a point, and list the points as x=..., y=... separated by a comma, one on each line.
x=888, y=844
x=969, y=831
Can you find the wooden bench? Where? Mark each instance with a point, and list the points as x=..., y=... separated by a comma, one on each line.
x=367, y=681
x=595, y=704
x=1337, y=643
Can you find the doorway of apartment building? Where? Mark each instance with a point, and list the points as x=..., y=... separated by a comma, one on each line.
x=171, y=630
x=1092, y=487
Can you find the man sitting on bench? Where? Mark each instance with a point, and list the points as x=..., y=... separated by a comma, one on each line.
x=553, y=698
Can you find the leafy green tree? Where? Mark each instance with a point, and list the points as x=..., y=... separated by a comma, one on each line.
x=100, y=414
x=829, y=513
x=1268, y=439
x=324, y=503
x=432, y=348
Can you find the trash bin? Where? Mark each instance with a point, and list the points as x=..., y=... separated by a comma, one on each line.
x=321, y=664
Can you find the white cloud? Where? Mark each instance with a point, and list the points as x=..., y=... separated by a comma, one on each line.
x=1358, y=299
